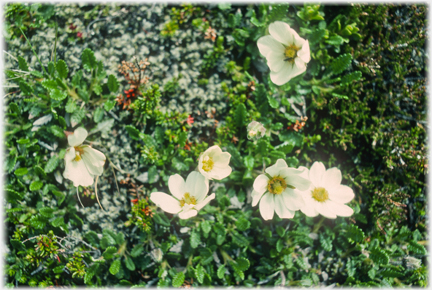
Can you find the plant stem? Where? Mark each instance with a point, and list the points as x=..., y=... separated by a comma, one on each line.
x=34, y=52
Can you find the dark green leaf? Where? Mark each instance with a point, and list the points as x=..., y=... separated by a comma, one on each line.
x=350, y=78
x=77, y=116
x=112, y=84
x=379, y=256
x=178, y=279
x=22, y=64
x=416, y=248
x=58, y=95
x=46, y=212
x=88, y=60
x=133, y=132
x=49, y=84
x=98, y=114
x=115, y=267
x=52, y=164
x=341, y=63
x=221, y=271
x=242, y=264
x=25, y=88
x=36, y=185
x=18, y=245
x=240, y=115
x=58, y=222
x=21, y=171
x=273, y=102
x=195, y=239
x=199, y=273
x=137, y=250
x=109, y=105
x=109, y=252
x=57, y=131
x=62, y=69
x=242, y=224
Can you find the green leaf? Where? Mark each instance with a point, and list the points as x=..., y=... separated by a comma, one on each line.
x=109, y=252
x=161, y=219
x=58, y=95
x=13, y=196
x=280, y=231
x=109, y=105
x=326, y=243
x=77, y=78
x=77, y=116
x=49, y=84
x=240, y=115
x=206, y=226
x=340, y=96
x=18, y=245
x=88, y=60
x=178, y=279
x=57, y=222
x=195, y=239
x=391, y=273
x=129, y=263
x=341, y=63
x=242, y=224
x=62, y=69
x=51, y=68
x=98, y=114
x=21, y=171
x=279, y=245
x=273, y=102
x=11, y=162
x=355, y=234
x=351, y=267
x=350, y=78
x=179, y=165
x=25, y=88
x=317, y=35
x=14, y=107
x=57, y=131
x=133, y=132
x=115, y=267
x=416, y=248
x=36, y=74
x=110, y=236
x=221, y=271
x=301, y=263
x=46, y=212
x=336, y=40
x=70, y=106
x=36, y=185
x=22, y=64
x=37, y=222
x=372, y=273
x=137, y=250
x=240, y=240
x=379, y=256
x=90, y=272
x=199, y=273
x=119, y=238
x=112, y=84
x=52, y=164
x=242, y=264
x=97, y=89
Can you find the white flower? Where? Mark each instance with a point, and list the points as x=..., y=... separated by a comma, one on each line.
x=82, y=161
x=256, y=130
x=276, y=191
x=189, y=197
x=213, y=163
x=326, y=195
x=286, y=52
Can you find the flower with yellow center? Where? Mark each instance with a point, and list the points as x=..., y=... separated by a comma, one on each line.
x=214, y=164
x=255, y=130
x=326, y=195
x=82, y=162
x=286, y=52
x=274, y=191
x=188, y=197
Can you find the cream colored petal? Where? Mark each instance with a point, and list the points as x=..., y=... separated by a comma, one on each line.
x=341, y=194
x=78, y=137
x=309, y=209
x=222, y=159
x=77, y=172
x=219, y=173
x=298, y=41
x=288, y=71
x=342, y=210
x=296, y=180
x=267, y=206
x=300, y=65
x=260, y=183
x=275, y=61
x=94, y=160
x=187, y=214
x=293, y=199
x=325, y=209
x=282, y=32
x=197, y=185
x=316, y=173
x=212, y=151
x=276, y=168
x=268, y=44
x=166, y=202
x=204, y=202
x=256, y=196
x=331, y=178
x=304, y=52
x=176, y=185
x=280, y=208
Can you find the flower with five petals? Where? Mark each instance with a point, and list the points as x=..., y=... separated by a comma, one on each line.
x=188, y=197
x=275, y=191
x=286, y=52
x=213, y=163
x=82, y=161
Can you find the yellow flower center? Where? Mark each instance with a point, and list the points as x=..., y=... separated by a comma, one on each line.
x=208, y=163
x=78, y=152
x=320, y=194
x=276, y=185
x=291, y=52
x=187, y=199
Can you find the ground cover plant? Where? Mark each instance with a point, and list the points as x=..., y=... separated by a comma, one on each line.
x=215, y=145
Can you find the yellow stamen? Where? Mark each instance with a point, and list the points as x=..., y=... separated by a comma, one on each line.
x=208, y=163
x=187, y=199
x=320, y=194
x=77, y=157
x=291, y=52
x=78, y=151
x=276, y=185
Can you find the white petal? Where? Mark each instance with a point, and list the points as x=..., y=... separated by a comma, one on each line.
x=275, y=61
x=300, y=65
x=220, y=172
x=293, y=199
x=342, y=209
x=222, y=159
x=204, y=202
x=325, y=209
x=267, y=206
x=166, y=202
x=309, y=210
x=288, y=71
x=187, y=214
x=76, y=171
x=268, y=44
x=256, y=196
x=197, y=185
x=331, y=178
x=316, y=173
x=260, y=183
x=282, y=32
x=275, y=169
x=296, y=180
x=341, y=194
x=77, y=137
x=282, y=211
x=176, y=185
x=304, y=52
x=212, y=151
x=94, y=160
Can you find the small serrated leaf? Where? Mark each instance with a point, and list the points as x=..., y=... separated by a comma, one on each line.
x=57, y=131
x=349, y=78
x=22, y=64
x=129, y=263
x=58, y=95
x=62, y=69
x=240, y=115
x=25, y=88
x=379, y=256
x=242, y=224
x=115, y=267
x=88, y=59
x=109, y=252
x=49, y=84
x=98, y=114
x=46, y=212
x=112, y=84
x=77, y=116
x=416, y=248
x=70, y=106
x=52, y=164
x=326, y=243
x=137, y=250
x=109, y=105
x=195, y=239
x=221, y=271
x=21, y=171
x=273, y=102
x=36, y=185
x=57, y=222
x=199, y=273
x=341, y=63
x=178, y=279
x=242, y=264
x=133, y=132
